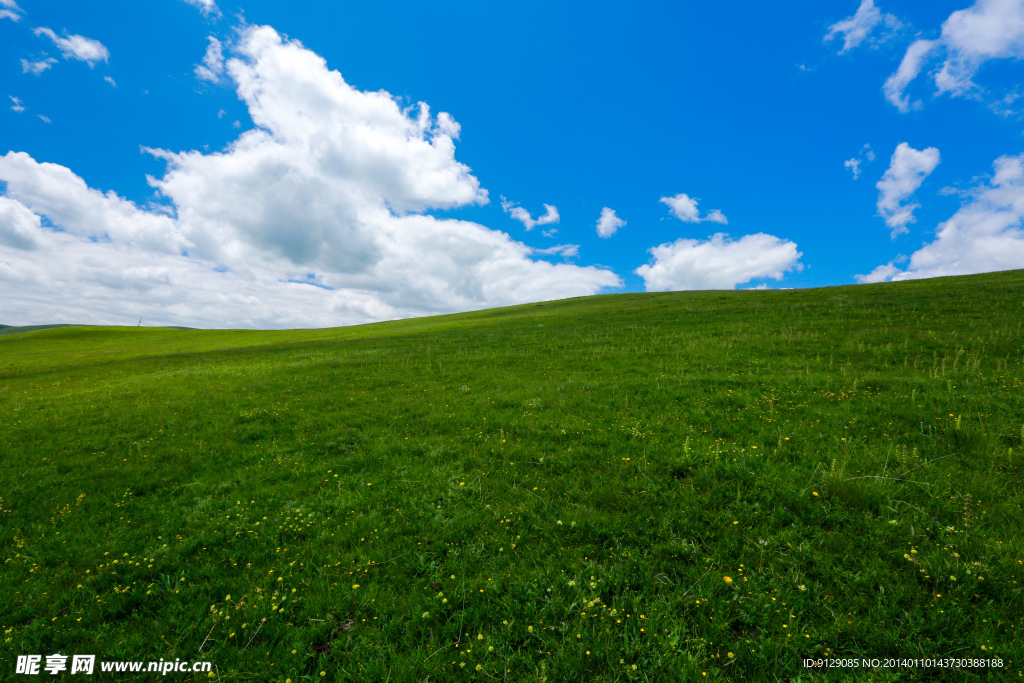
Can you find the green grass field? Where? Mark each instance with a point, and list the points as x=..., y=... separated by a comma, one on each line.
x=634, y=487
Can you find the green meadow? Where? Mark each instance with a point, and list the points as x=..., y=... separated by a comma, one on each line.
x=682, y=486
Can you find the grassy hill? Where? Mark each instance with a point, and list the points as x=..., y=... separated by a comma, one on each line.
x=8, y=329
x=677, y=486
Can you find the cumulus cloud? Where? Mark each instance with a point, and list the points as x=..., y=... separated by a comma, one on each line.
x=313, y=218
x=990, y=29
x=856, y=29
x=718, y=262
x=608, y=223
x=110, y=80
x=882, y=273
x=207, y=7
x=18, y=105
x=446, y=125
x=519, y=213
x=983, y=236
x=77, y=47
x=716, y=216
x=54, y=191
x=11, y=10
x=213, y=62
x=19, y=227
x=684, y=208
x=907, y=170
x=987, y=30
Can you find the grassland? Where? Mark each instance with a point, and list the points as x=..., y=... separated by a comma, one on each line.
x=636, y=487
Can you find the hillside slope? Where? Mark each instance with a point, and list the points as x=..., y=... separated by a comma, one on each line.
x=623, y=487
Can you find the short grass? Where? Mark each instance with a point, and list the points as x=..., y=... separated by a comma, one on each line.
x=636, y=487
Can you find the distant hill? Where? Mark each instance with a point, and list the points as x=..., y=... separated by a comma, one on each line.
x=11, y=329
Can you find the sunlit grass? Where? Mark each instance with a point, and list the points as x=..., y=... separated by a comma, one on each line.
x=705, y=485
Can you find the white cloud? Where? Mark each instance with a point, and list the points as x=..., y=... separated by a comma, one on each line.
x=519, y=213
x=18, y=226
x=856, y=29
x=854, y=163
x=1003, y=106
x=549, y=233
x=314, y=218
x=12, y=10
x=446, y=125
x=608, y=223
x=907, y=170
x=77, y=47
x=908, y=69
x=882, y=273
x=110, y=80
x=18, y=105
x=563, y=250
x=718, y=262
x=854, y=166
x=37, y=67
x=44, y=119
x=684, y=208
x=990, y=29
x=213, y=62
x=716, y=216
x=983, y=236
x=64, y=198
x=987, y=30
x=207, y=7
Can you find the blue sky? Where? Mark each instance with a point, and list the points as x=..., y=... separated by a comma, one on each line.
x=270, y=165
